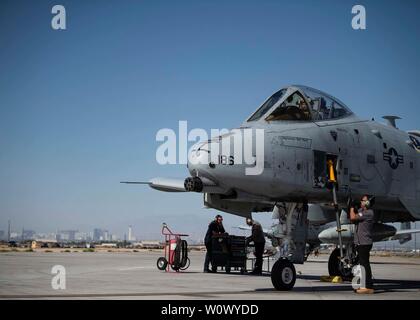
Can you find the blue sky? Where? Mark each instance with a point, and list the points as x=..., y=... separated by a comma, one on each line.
x=80, y=108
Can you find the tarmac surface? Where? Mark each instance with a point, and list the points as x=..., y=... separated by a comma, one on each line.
x=133, y=275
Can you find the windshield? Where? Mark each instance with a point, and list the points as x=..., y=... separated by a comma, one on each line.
x=294, y=108
x=267, y=105
x=323, y=106
x=303, y=104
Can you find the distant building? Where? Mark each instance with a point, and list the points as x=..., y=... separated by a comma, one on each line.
x=46, y=236
x=101, y=235
x=89, y=236
x=69, y=235
x=9, y=232
x=72, y=235
x=97, y=234
x=28, y=234
x=14, y=236
x=81, y=236
x=130, y=234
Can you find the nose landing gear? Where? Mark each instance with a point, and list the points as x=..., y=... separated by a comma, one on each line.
x=290, y=234
x=283, y=275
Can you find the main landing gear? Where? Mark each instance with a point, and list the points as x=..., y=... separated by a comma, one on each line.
x=343, y=267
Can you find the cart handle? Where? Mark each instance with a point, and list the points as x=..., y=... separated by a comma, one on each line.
x=167, y=232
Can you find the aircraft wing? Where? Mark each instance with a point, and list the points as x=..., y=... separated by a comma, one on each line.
x=400, y=233
x=162, y=184
x=266, y=232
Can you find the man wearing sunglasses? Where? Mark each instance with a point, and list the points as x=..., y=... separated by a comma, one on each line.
x=215, y=228
x=364, y=220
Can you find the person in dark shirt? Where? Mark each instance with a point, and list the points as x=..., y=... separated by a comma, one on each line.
x=258, y=238
x=215, y=228
x=364, y=220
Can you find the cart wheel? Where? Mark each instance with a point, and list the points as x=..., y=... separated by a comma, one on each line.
x=186, y=265
x=162, y=263
x=175, y=268
x=214, y=268
x=227, y=269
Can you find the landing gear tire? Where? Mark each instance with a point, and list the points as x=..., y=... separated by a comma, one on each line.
x=214, y=269
x=227, y=269
x=333, y=263
x=336, y=267
x=283, y=275
x=162, y=263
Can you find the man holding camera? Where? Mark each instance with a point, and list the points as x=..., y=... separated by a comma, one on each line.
x=363, y=220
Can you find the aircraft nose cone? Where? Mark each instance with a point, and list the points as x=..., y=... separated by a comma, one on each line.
x=199, y=158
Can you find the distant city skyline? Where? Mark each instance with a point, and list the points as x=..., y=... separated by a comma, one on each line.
x=65, y=234
x=100, y=237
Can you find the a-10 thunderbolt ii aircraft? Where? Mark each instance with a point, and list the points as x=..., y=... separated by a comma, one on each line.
x=315, y=150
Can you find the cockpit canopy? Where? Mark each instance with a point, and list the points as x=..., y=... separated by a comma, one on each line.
x=300, y=103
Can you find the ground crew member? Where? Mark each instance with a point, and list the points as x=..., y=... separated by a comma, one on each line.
x=215, y=228
x=258, y=238
x=364, y=219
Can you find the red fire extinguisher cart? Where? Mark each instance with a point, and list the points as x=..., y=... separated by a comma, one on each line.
x=175, y=250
